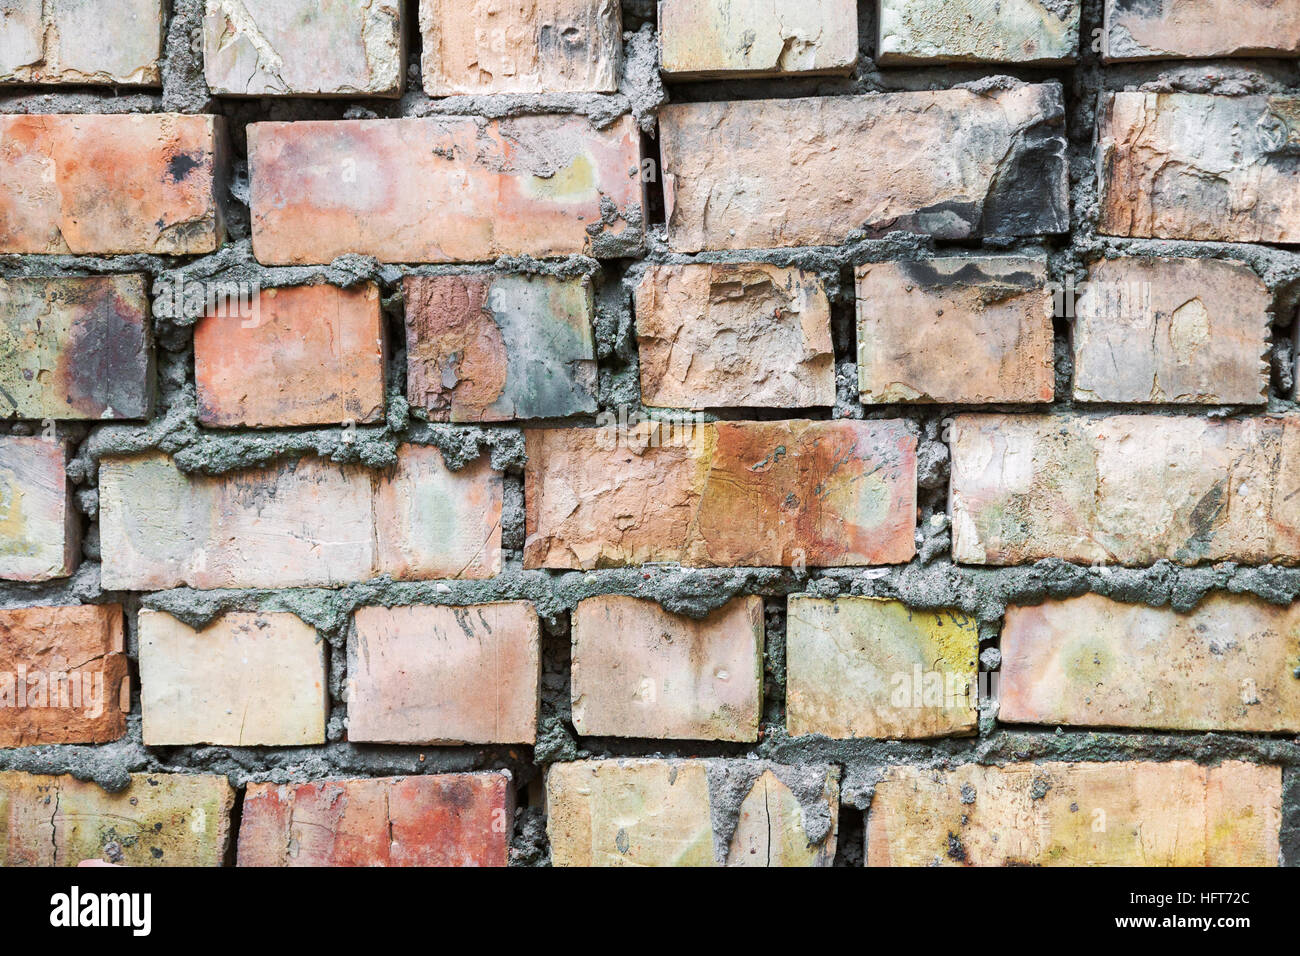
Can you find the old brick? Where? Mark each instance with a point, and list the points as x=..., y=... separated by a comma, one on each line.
x=307, y=355
x=117, y=42
x=1081, y=814
x=75, y=348
x=702, y=39
x=952, y=164
x=245, y=680
x=63, y=675
x=734, y=335
x=40, y=531
x=974, y=31
x=304, y=48
x=1091, y=661
x=730, y=493
x=491, y=348
x=1127, y=489
x=534, y=185
x=964, y=330
x=869, y=667
x=160, y=819
x=1201, y=28
x=659, y=813
x=462, y=819
x=99, y=185
x=1196, y=166
x=639, y=671
x=530, y=46
x=1188, y=330
x=308, y=523
x=431, y=675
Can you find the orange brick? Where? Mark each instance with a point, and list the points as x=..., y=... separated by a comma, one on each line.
x=426, y=675
x=307, y=355
x=532, y=185
x=40, y=530
x=99, y=185
x=724, y=494
x=1174, y=29
x=450, y=820
x=639, y=671
x=63, y=675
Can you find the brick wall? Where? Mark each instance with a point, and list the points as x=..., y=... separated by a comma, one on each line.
x=704, y=432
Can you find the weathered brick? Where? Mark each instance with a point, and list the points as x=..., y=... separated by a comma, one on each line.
x=63, y=675
x=1127, y=489
x=639, y=671
x=308, y=523
x=1080, y=814
x=1188, y=331
x=723, y=335
x=40, y=530
x=433, y=675
x=497, y=347
x=975, y=31
x=1199, y=166
x=304, y=48
x=530, y=46
x=533, y=185
x=75, y=348
x=1091, y=661
x=462, y=819
x=1201, y=28
x=731, y=493
x=662, y=813
x=703, y=39
x=307, y=355
x=117, y=42
x=99, y=185
x=869, y=667
x=245, y=680
x=965, y=330
x=160, y=819
x=949, y=163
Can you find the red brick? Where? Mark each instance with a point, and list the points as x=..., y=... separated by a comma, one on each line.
x=639, y=671
x=159, y=819
x=1126, y=489
x=537, y=46
x=1090, y=661
x=426, y=675
x=76, y=348
x=952, y=164
x=306, y=355
x=1173, y=29
x=496, y=347
x=533, y=185
x=724, y=494
x=309, y=523
x=1077, y=814
x=63, y=675
x=963, y=330
x=449, y=820
x=40, y=530
x=99, y=185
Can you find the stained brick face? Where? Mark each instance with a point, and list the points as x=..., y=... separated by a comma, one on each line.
x=965, y=31
x=92, y=42
x=441, y=820
x=63, y=675
x=1082, y=814
x=40, y=531
x=167, y=819
x=532, y=185
x=101, y=185
x=305, y=355
x=1174, y=29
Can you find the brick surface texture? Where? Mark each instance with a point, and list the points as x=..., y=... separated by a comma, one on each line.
x=613, y=432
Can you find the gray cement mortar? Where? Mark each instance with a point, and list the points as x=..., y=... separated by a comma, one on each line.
x=932, y=580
